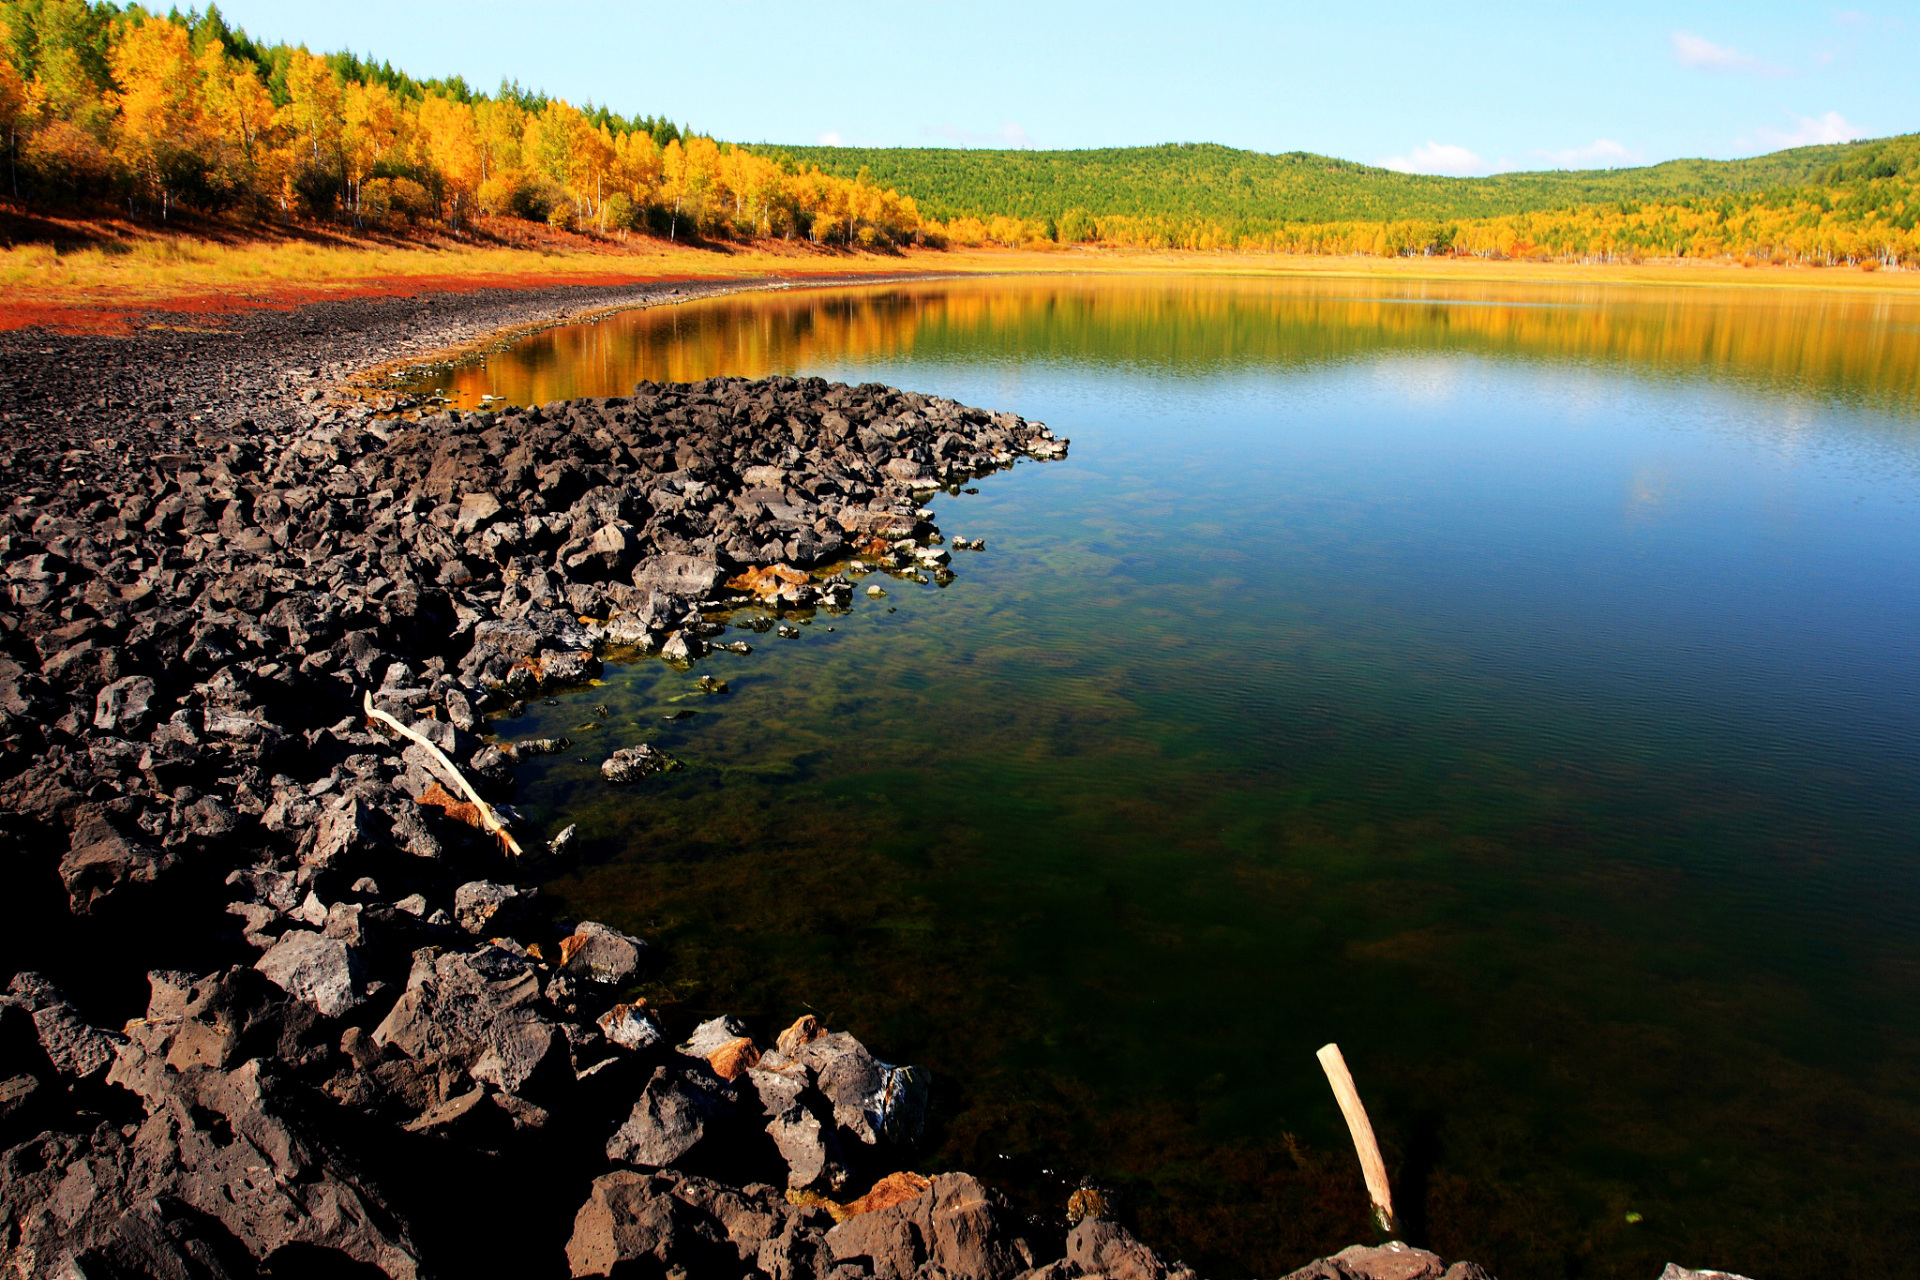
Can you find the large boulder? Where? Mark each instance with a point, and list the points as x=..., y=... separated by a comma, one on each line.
x=323, y=971
x=671, y=1223
x=1099, y=1248
x=103, y=859
x=601, y=954
x=480, y=1010
x=74, y=1048
x=874, y=1101
x=678, y=1107
x=687, y=577
x=1390, y=1261
x=237, y=1164
x=956, y=1228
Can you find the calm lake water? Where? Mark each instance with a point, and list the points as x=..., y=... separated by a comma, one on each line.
x=1518, y=687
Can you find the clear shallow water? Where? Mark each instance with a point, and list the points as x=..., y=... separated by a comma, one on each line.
x=1520, y=689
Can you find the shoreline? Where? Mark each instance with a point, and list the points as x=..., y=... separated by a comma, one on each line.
x=106, y=297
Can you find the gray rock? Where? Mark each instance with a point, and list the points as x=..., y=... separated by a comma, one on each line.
x=711, y=1034
x=477, y=510
x=479, y=905
x=630, y=1027
x=681, y=647
x=671, y=1116
x=342, y=830
x=631, y=764
x=688, y=577
x=460, y=712
x=323, y=971
x=481, y=1010
x=872, y=1100
x=123, y=707
x=1675, y=1271
x=602, y=954
x=629, y=1217
x=809, y=1147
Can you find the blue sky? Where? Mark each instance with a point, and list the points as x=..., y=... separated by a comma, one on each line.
x=1437, y=88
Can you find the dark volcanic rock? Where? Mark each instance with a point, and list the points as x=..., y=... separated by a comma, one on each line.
x=956, y=1228
x=674, y=1112
x=234, y=1163
x=601, y=954
x=671, y=1223
x=1390, y=1261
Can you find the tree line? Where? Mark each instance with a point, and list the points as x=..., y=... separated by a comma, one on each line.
x=1854, y=204
x=1813, y=226
x=1224, y=185
x=105, y=104
x=110, y=105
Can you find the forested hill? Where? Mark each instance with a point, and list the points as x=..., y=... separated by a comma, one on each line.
x=1220, y=184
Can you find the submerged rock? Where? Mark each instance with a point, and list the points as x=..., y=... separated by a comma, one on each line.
x=634, y=763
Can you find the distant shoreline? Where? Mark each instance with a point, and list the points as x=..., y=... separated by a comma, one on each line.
x=195, y=277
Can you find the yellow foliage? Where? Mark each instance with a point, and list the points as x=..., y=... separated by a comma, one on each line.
x=160, y=116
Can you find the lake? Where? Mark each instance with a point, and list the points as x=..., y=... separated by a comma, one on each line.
x=1518, y=686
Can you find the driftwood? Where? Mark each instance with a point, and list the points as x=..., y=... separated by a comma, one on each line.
x=1371, y=1165
x=489, y=820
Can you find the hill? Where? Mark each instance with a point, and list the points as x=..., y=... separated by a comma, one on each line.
x=1221, y=184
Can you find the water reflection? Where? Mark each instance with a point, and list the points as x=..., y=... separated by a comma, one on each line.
x=1516, y=687
x=1849, y=346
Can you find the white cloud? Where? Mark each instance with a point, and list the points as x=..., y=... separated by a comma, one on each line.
x=1601, y=153
x=831, y=138
x=1437, y=157
x=1808, y=131
x=1695, y=51
x=1010, y=135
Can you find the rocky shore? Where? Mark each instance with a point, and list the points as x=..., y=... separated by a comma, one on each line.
x=278, y=1000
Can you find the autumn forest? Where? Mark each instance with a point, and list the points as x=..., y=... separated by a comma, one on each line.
x=150, y=116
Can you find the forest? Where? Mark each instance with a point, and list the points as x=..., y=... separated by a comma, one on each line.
x=1854, y=203
x=148, y=116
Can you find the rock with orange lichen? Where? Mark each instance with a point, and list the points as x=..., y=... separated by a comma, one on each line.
x=733, y=1057
x=601, y=954
x=774, y=583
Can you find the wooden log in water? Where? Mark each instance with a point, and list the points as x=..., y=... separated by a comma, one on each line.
x=1371, y=1165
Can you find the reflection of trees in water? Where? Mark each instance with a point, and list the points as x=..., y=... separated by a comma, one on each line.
x=1812, y=343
